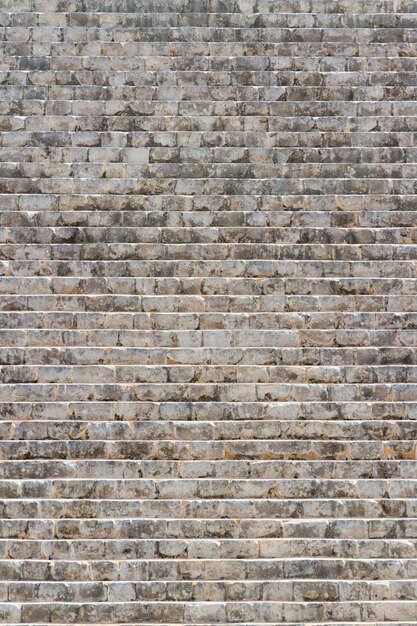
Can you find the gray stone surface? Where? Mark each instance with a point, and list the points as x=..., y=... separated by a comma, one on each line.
x=208, y=313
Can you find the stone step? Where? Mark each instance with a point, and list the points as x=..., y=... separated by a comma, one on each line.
x=69, y=321
x=286, y=144
x=70, y=157
x=204, y=374
x=357, y=623
x=229, y=469
x=212, y=450
x=201, y=591
x=323, y=203
x=200, y=303
x=127, y=489
x=286, y=538
x=195, y=509
x=147, y=18
x=211, y=431
x=165, y=612
x=204, y=219
x=161, y=6
x=134, y=186
x=368, y=409
x=206, y=392
x=240, y=570
x=36, y=96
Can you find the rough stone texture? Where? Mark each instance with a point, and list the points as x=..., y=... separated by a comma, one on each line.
x=208, y=312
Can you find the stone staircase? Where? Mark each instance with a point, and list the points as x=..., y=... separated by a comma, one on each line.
x=208, y=313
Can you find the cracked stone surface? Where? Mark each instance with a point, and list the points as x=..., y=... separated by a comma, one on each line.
x=208, y=312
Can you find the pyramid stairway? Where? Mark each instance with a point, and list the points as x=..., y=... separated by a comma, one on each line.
x=208, y=313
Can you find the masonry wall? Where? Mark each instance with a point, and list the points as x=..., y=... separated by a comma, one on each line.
x=208, y=319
